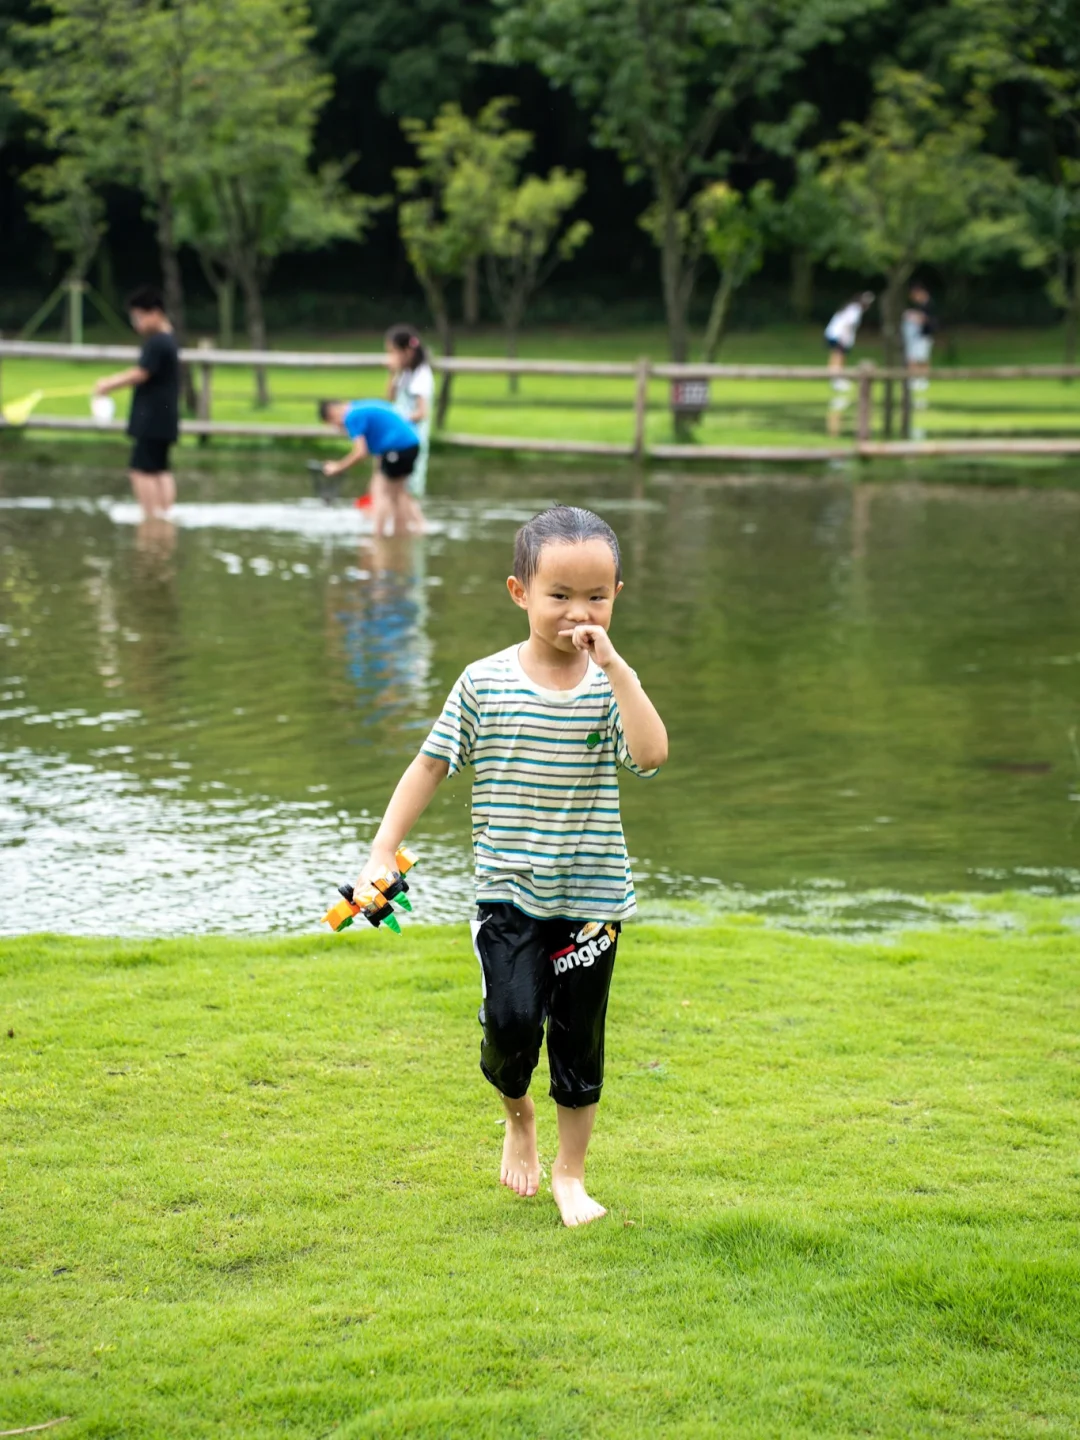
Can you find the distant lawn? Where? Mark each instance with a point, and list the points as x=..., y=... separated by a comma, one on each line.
x=743, y=412
x=248, y=1191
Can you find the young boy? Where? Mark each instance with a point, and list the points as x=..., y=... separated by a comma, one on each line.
x=377, y=429
x=546, y=725
x=155, y=406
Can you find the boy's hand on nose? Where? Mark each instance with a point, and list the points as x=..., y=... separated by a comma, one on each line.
x=595, y=640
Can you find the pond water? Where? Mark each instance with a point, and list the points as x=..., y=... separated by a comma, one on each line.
x=873, y=691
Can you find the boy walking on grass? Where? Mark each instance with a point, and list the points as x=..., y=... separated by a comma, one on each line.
x=545, y=725
x=155, y=406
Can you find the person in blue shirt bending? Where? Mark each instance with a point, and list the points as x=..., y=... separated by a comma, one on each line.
x=376, y=429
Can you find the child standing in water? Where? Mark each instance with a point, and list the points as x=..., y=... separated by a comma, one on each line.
x=412, y=393
x=546, y=726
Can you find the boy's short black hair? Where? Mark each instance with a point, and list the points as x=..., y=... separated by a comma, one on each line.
x=561, y=525
x=324, y=408
x=146, y=297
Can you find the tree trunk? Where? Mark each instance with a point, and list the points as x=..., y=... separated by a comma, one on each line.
x=471, y=295
x=173, y=284
x=443, y=329
x=106, y=280
x=892, y=304
x=802, y=283
x=676, y=296
x=226, y=308
x=1072, y=312
x=677, y=292
x=256, y=328
x=512, y=324
x=714, y=331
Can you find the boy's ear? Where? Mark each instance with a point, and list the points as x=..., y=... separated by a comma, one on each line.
x=618, y=589
x=517, y=591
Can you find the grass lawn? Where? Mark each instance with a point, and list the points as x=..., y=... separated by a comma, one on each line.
x=743, y=412
x=248, y=1190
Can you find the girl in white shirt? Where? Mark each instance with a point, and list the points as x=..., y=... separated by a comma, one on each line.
x=843, y=327
x=412, y=393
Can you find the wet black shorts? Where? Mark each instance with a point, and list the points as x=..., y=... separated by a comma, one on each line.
x=150, y=457
x=534, y=972
x=398, y=464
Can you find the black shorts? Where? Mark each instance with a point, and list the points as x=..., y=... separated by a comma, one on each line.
x=537, y=971
x=398, y=464
x=150, y=457
x=838, y=345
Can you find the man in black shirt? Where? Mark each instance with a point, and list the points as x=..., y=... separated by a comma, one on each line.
x=155, y=406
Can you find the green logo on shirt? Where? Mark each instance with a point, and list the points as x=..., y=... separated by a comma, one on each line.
x=593, y=740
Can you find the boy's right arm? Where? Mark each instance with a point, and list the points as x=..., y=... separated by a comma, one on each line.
x=408, y=802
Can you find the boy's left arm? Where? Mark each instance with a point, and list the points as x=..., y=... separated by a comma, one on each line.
x=357, y=453
x=643, y=730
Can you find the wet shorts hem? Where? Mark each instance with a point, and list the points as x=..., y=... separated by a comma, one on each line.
x=491, y=1081
x=577, y=1099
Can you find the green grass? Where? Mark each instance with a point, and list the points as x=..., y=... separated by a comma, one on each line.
x=248, y=1191
x=744, y=412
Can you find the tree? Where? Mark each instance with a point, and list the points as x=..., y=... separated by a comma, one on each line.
x=525, y=245
x=912, y=188
x=421, y=56
x=733, y=229
x=660, y=78
x=449, y=201
x=1053, y=211
x=1035, y=45
x=69, y=209
x=108, y=82
x=250, y=195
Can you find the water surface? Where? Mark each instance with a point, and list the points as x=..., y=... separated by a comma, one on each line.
x=872, y=690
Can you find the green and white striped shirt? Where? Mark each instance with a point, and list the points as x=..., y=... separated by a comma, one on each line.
x=547, y=836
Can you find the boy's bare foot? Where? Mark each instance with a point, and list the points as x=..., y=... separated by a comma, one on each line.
x=520, y=1162
x=576, y=1205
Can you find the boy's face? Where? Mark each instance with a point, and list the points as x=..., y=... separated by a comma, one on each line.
x=142, y=321
x=574, y=584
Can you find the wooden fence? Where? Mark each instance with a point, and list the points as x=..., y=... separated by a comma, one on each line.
x=875, y=388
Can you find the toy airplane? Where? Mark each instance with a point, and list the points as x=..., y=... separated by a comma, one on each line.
x=374, y=902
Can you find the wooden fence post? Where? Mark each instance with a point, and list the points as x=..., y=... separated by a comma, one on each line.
x=905, y=408
x=641, y=404
x=203, y=400
x=864, y=423
x=887, y=420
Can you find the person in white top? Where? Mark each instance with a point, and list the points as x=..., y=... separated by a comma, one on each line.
x=843, y=327
x=412, y=393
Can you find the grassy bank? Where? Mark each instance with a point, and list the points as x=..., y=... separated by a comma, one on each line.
x=248, y=1190
x=743, y=412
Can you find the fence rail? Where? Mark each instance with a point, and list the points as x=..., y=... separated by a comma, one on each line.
x=868, y=380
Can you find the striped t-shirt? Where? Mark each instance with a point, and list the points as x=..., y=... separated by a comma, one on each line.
x=547, y=836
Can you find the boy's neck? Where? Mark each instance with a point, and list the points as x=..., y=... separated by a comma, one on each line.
x=554, y=669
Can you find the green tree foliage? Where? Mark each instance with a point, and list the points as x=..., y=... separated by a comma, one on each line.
x=912, y=187
x=422, y=56
x=525, y=244
x=108, y=82
x=1053, y=212
x=733, y=231
x=659, y=79
x=449, y=201
x=249, y=194
x=69, y=209
x=208, y=108
x=1035, y=45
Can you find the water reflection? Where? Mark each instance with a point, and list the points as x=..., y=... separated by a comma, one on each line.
x=870, y=690
x=381, y=628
